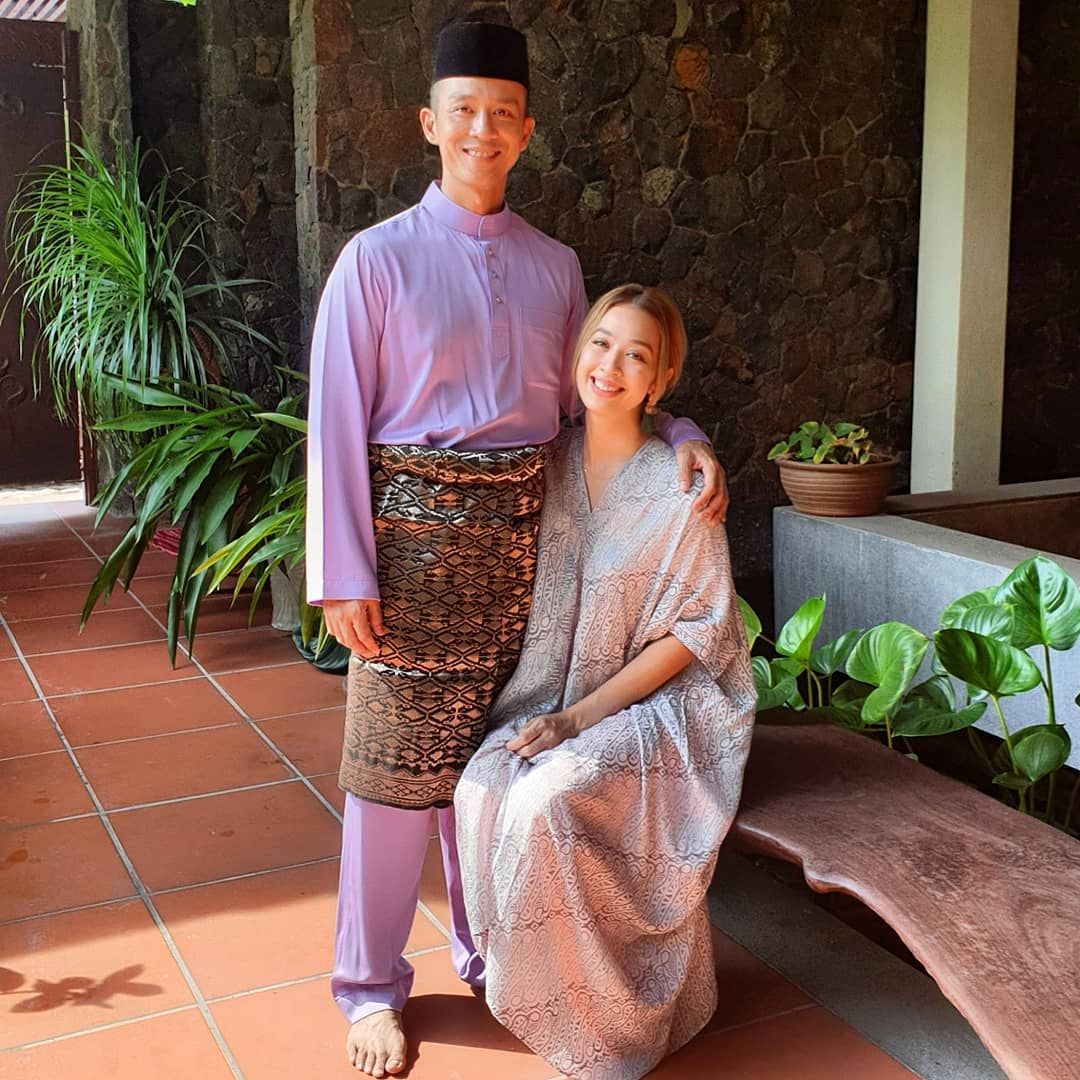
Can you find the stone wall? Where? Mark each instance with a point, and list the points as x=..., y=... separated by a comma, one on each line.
x=166, y=88
x=212, y=92
x=1040, y=436
x=105, y=89
x=756, y=158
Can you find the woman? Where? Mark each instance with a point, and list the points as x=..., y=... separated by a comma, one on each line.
x=589, y=821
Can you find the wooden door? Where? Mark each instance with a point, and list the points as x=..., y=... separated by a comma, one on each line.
x=36, y=76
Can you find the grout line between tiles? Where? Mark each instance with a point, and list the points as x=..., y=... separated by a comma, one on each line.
x=113, y=811
x=249, y=874
x=129, y=866
x=101, y=1027
x=763, y=1019
x=69, y=910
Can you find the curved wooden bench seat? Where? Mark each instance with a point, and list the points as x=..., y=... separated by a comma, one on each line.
x=987, y=899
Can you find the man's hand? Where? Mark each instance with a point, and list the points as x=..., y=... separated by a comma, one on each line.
x=356, y=624
x=696, y=455
x=543, y=733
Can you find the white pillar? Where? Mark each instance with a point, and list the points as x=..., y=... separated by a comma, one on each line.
x=971, y=54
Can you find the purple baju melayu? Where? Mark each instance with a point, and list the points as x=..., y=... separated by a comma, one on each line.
x=438, y=327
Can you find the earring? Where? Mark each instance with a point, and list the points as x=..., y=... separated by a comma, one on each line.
x=651, y=407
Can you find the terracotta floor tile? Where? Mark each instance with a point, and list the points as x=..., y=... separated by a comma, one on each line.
x=328, y=787
x=297, y=1031
x=25, y=729
x=7, y=650
x=222, y=930
x=155, y=564
x=60, y=633
x=16, y=551
x=106, y=669
x=176, y=1047
x=60, y=600
x=283, y=691
x=14, y=684
x=40, y=788
x=240, y=650
x=175, y=766
x=141, y=710
x=216, y=614
x=39, y=575
x=31, y=531
x=810, y=1044
x=205, y=839
x=83, y=969
x=51, y=867
x=749, y=988
x=152, y=591
x=311, y=741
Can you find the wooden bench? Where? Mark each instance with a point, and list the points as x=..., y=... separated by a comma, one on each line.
x=986, y=899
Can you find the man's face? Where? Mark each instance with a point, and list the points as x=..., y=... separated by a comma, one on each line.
x=480, y=127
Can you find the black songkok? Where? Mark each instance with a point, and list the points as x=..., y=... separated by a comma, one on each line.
x=483, y=50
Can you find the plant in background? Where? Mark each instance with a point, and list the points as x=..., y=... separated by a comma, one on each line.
x=121, y=285
x=824, y=444
x=978, y=658
x=214, y=465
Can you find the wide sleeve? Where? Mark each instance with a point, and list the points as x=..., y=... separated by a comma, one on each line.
x=579, y=306
x=693, y=597
x=344, y=367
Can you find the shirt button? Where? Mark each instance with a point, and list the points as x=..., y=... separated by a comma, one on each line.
x=498, y=299
x=491, y=253
x=494, y=273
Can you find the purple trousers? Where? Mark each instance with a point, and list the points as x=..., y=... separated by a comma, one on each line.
x=382, y=855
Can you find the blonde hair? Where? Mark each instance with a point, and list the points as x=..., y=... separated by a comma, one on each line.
x=654, y=302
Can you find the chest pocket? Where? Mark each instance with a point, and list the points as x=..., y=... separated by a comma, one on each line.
x=544, y=334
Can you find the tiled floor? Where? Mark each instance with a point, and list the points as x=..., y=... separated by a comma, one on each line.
x=168, y=859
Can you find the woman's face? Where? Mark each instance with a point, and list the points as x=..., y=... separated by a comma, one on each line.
x=617, y=369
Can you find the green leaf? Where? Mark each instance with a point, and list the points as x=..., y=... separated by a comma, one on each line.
x=937, y=691
x=777, y=450
x=296, y=423
x=917, y=717
x=828, y=659
x=796, y=639
x=239, y=442
x=774, y=687
x=751, y=623
x=851, y=692
x=1046, y=604
x=1040, y=749
x=887, y=657
x=983, y=662
x=847, y=716
x=1012, y=781
x=981, y=613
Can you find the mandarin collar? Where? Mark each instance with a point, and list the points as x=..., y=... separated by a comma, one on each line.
x=479, y=226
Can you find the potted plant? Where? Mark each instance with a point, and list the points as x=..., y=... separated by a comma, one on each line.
x=832, y=470
x=978, y=660
x=115, y=270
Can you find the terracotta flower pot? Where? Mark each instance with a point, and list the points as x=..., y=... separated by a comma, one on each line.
x=836, y=490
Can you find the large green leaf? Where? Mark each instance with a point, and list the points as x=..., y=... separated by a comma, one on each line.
x=1046, y=604
x=751, y=623
x=796, y=638
x=847, y=716
x=937, y=691
x=917, y=717
x=1040, y=749
x=829, y=659
x=887, y=657
x=980, y=612
x=774, y=687
x=984, y=662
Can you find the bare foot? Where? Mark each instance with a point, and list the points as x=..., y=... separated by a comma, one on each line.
x=376, y=1044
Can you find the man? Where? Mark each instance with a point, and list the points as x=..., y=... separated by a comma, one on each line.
x=440, y=356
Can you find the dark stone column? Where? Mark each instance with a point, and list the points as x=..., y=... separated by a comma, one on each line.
x=102, y=26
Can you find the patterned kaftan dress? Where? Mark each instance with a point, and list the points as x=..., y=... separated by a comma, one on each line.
x=585, y=871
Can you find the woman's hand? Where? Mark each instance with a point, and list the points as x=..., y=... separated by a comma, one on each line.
x=544, y=733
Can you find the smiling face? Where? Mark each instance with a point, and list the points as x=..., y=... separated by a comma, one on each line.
x=619, y=361
x=480, y=127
